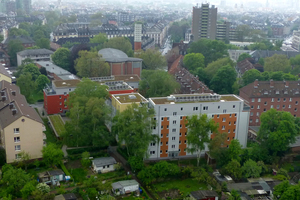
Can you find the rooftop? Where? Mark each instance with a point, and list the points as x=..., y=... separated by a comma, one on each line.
x=99, y=162
x=54, y=69
x=130, y=98
x=194, y=98
x=4, y=71
x=65, y=83
x=28, y=52
x=117, y=85
x=122, y=184
x=115, y=55
x=127, y=78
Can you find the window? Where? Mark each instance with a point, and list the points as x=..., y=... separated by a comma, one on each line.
x=154, y=118
x=17, y=139
x=167, y=135
x=278, y=106
x=284, y=99
x=256, y=120
x=233, y=106
x=174, y=113
x=251, y=114
x=185, y=133
x=162, y=127
x=218, y=116
x=16, y=130
x=180, y=126
x=257, y=114
x=174, y=121
x=161, y=143
x=161, y=135
x=218, y=107
x=162, y=119
x=18, y=148
x=173, y=138
x=283, y=106
x=253, y=100
x=65, y=93
x=60, y=103
x=160, y=152
x=250, y=120
x=60, y=109
x=184, y=141
x=167, y=118
x=180, y=117
x=167, y=143
x=277, y=92
x=295, y=109
x=223, y=127
x=17, y=156
x=265, y=110
x=167, y=126
x=173, y=146
x=165, y=109
x=290, y=106
x=233, y=130
x=258, y=106
x=290, y=99
x=224, y=119
x=205, y=107
x=152, y=144
x=272, y=106
x=70, y=89
x=229, y=123
x=228, y=130
x=230, y=115
x=174, y=130
x=234, y=122
x=195, y=108
x=181, y=108
x=59, y=97
x=152, y=152
x=278, y=100
x=154, y=127
x=179, y=141
x=179, y=134
x=258, y=100
x=224, y=111
x=166, y=151
x=296, y=102
x=252, y=107
x=266, y=103
x=272, y=100
x=179, y=150
x=228, y=139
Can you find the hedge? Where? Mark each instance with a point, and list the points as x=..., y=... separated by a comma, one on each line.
x=81, y=150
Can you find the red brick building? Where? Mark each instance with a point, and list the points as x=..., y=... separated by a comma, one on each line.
x=120, y=63
x=264, y=95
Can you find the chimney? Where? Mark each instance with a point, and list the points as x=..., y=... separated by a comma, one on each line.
x=13, y=93
x=271, y=83
x=202, y=89
x=256, y=83
x=286, y=83
x=14, y=111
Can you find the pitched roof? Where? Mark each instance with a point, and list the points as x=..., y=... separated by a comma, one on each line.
x=22, y=38
x=121, y=184
x=266, y=53
x=55, y=172
x=203, y=194
x=115, y=55
x=272, y=89
x=28, y=52
x=4, y=71
x=99, y=162
x=13, y=105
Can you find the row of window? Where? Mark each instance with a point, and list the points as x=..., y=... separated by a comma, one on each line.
x=223, y=128
x=168, y=134
x=173, y=146
x=196, y=108
x=272, y=106
x=273, y=99
x=181, y=117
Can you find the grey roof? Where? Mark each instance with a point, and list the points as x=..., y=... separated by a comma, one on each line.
x=4, y=71
x=56, y=172
x=28, y=52
x=54, y=69
x=115, y=55
x=255, y=128
x=70, y=196
x=121, y=184
x=203, y=194
x=23, y=39
x=267, y=53
x=99, y=162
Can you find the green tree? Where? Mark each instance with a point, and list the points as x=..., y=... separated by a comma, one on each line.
x=152, y=59
x=250, y=76
x=24, y=159
x=31, y=69
x=90, y=64
x=157, y=83
x=43, y=43
x=14, y=46
x=277, y=63
x=43, y=187
x=233, y=168
x=251, y=169
x=281, y=188
x=223, y=80
x=217, y=148
x=61, y=57
x=99, y=39
x=52, y=155
x=234, y=195
x=85, y=159
x=243, y=56
x=212, y=50
x=292, y=192
x=193, y=61
x=277, y=131
x=121, y=43
x=261, y=61
x=27, y=85
x=68, y=44
x=17, y=32
x=41, y=82
x=213, y=67
x=133, y=127
x=234, y=150
x=198, y=131
x=14, y=180
x=28, y=188
x=136, y=163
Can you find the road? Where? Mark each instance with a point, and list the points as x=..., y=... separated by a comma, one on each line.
x=167, y=46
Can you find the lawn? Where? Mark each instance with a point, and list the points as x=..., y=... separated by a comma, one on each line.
x=58, y=124
x=49, y=133
x=186, y=186
x=36, y=96
x=113, y=174
x=78, y=174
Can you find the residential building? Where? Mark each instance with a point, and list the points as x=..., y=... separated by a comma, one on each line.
x=24, y=5
x=103, y=165
x=120, y=63
x=4, y=58
x=264, y=95
x=235, y=54
x=229, y=111
x=4, y=75
x=34, y=54
x=21, y=128
x=257, y=54
x=56, y=95
x=204, y=195
x=55, y=72
x=125, y=17
x=296, y=40
x=247, y=64
x=25, y=40
x=204, y=22
x=124, y=187
x=187, y=35
x=68, y=196
x=223, y=30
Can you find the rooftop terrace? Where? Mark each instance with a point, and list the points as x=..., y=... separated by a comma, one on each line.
x=130, y=98
x=194, y=98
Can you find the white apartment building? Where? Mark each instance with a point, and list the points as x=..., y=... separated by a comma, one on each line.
x=229, y=111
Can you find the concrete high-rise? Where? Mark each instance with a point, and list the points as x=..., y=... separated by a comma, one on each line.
x=24, y=5
x=204, y=24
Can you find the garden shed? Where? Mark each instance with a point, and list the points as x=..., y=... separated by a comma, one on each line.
x=124, y=187
x=104, y=164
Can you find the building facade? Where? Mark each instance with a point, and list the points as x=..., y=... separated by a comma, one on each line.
x=229, y=111
x=34, y=54
x=204, y=22
x=264, y=95
x=21, y=128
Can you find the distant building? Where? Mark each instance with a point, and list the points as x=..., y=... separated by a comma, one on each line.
x=125, y=17
x=120, y=63
x=4, y=58
x=247, y=64
x=235, y=54
x=223, y=31
x=34, y=54
x=24, y=5
x=103, y=165
x=204, y=22
x=264, y=95
x=277, y=30
x=296, y=40
x=25, y=40
x=21, y=128
x=257, y=54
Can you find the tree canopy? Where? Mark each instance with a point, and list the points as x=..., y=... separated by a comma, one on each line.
x=121, y=43
x=251, y=169
x=133, y=127
x=152, y=59
x=198, y=134
x=52, y=154
x=243, y=56
x=193, y=61
x=14, y=46
x=157, y=83
x=277, y=63
x=61, y=58
x=214, y=66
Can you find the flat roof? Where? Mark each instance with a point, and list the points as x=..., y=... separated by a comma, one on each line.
x=117, y=85
x=194, y=98
x=127, y=78
x=129, y=98
x=65, y=83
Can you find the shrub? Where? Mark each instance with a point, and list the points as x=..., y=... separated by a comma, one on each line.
x=63, y=167
x=283, y=172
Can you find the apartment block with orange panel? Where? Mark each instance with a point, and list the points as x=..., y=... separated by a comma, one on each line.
x=229, y=111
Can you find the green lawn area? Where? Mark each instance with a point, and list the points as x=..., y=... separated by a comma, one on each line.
x=36, y=96
x=114, y=174
x=49, y=133
x=78, y=174
x=58, y=124
x=186, y=186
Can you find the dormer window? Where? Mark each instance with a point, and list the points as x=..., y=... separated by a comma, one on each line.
x=286, y=92
x=277, y=92
x=297, y=92
x=266, y=92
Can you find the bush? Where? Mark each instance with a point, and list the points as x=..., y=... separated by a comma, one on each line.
x=283, y=172
x=280, y=177
x=123, y=152
x=63, y=167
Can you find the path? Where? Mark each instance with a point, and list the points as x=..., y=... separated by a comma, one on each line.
x=64, y=149
x=119, y=158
